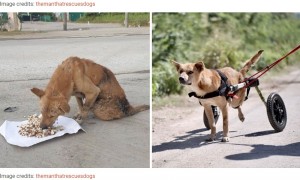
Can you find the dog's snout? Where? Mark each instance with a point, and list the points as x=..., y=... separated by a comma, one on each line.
x=181, y=79
x=43, y=126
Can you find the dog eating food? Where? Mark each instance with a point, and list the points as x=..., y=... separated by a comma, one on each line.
x=32, y=128
x=96, y=90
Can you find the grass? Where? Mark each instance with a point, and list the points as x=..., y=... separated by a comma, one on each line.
x=15, y=33
x=174, y=100
x=134, y=19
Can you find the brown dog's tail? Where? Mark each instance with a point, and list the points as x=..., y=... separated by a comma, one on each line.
x=137, y=109
x=125, y=107
x=250, y=62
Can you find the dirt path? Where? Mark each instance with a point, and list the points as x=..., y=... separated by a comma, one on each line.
x=178, y=138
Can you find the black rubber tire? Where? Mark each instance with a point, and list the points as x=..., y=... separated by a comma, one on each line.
x=276, y=112
x=205, y=120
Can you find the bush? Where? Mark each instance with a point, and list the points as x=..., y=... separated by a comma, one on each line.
x=134, y=19
x=219, y=39
x=165, y=80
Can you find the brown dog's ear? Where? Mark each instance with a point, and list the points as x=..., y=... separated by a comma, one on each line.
x=199, y=66
x=176, y=64
x=38, y=92
x=64, y=106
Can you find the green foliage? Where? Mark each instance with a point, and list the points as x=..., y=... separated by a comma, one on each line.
x=219, y=53
x=164, y=81
x=38, y=16
x=134, y=19
x=218, y=39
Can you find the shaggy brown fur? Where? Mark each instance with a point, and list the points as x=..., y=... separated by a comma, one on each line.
x=95, y=87
x=202, y=81
x=111, y=102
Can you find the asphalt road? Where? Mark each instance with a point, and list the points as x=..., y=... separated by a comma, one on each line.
x=178, y=138
x=29, y=62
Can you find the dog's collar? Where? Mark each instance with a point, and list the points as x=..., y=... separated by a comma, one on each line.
x=222, y=90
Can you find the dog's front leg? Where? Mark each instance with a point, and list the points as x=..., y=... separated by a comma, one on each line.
x=225, y=123
x=90, y=92
x=78, y=116
x=211, y=121
x=90, y=98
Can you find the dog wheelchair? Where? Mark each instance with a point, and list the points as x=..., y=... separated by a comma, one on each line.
x=276, y=110
x=274, y=104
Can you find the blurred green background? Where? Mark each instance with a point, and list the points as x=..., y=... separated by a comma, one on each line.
x=219, y=39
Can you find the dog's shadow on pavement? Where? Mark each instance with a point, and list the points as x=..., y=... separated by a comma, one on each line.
x=192, y=139
x=260, y=151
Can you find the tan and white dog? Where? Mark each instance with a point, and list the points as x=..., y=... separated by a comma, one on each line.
x=203, y=81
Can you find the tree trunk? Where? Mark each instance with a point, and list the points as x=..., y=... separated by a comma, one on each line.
x=14, y=23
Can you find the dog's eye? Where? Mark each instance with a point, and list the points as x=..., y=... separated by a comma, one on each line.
x=190, y=72
x=181, y=71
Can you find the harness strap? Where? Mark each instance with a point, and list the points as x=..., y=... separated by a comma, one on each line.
x=247, y=94
x=222, y=90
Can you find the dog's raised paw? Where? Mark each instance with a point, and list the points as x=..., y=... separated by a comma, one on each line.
x=242, y=118
x=225, y=139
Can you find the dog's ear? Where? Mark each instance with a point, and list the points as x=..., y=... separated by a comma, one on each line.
x=38, y=92
x=199, y=66
x=64, y=106
x=176, y=64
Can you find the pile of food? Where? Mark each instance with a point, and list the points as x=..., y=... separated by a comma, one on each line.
x=32, y=128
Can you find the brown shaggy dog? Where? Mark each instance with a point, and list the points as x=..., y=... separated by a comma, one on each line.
x=95, y=87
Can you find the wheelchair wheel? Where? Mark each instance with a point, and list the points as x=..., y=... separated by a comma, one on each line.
x=276, y=112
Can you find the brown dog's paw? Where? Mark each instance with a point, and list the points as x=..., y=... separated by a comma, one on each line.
x=242, y=118
x=81, y=115
x=225, y=139
x=210, y=140
x=78, y=118
x=241, y=115
x=79, y=121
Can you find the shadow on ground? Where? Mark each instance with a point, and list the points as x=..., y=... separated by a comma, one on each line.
x=195, y=139
x=260, y=151
x=192, y=139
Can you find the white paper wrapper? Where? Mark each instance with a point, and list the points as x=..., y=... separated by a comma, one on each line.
x=9, y=130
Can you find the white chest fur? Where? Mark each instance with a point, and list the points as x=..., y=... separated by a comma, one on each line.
x=197, y=90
